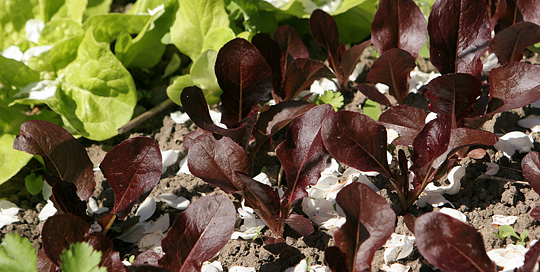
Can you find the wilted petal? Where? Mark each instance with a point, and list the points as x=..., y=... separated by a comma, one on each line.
x=398, y=246
x=455, y=213
x=212, y=267
x=146, y=209
x=492, y=169
x=512, y=141
x=177, y=202
x=532, y=122
x=168, y=158
x=47, y=211
x=502, y=220
x=508, y=258
x=8, y=213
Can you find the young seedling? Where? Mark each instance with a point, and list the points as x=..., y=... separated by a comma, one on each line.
x=506, y=231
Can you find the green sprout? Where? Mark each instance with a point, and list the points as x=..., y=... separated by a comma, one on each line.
x=506, y=231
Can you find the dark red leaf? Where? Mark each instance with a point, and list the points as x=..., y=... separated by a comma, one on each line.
x=64, y=196
x=461, y=137
x=532, y=259
x=216, y=161
x=512, y=86
x=145, y=268
x=530, y=10
x=195, y=106
x=453, y=94
x=370, y=222
x=302, y=154
x=301, y=74
x=189, y=139
x=265, y=202
x=535, y=213
x=450, y=244
x=406, y=120
x=431, y=143
x=198, y=233
x=351, y=57
x=300, y=224
x=133, y=169
x=393, y=69
x=335, y=259
x=290, y=42
x=65, y=158
x=530, y=165
x=271, y=52
x=399, y=24
x=509, y=43
x=325, y=32
x=508, y=15
x=373, y=93
x=280, y=115
x=357, y=141
x=43, y=263
x=245, y=78
x=459, y=34
x=274, y=245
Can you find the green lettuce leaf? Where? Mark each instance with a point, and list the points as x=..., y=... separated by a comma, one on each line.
x=143, y=6
x=203, y=75
x=17, y=254
x=11, y=162
x=175, y=89
x=81, y=257
x=97, y=94
x=72, y=9
x=60, y=30
x=97, y=7
x=13, y=17
x=16, y=73
x=107, y=27
x=58, y=57
x=194, y=20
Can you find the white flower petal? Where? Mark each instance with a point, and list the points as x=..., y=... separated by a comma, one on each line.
x=242, y=269
x=532, y=122
x=263, y=178
x=430, y=116
x=168, y=158
x=179, y=117
x=512, y=141
x=177, y=202
x=455, y=213
x=419, y=79
x=300, y=267
x=492, y=169
x=395, y=268
x=8, y=213
x=382, y=88
x=152, y=242
x=502, y=220
x=47, y=211
x=322, y=85
x=92, y=207
x=322, y=212
x=398, y=246
x=147, y=209
x=162, y=224
x=212, y=267
x=184, y=169
x=508, y=258
x=216, y=118
x=490, y=63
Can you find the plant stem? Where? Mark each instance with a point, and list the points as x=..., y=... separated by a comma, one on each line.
x=145, y=116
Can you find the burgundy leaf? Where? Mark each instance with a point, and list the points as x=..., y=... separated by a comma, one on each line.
x=535, y=213
x=290, y=42
x=335, y=259
x=325, y=32
x=64, y=196
x=189, y=139
x=531, y=170
x=280, y=115
x=265, y=202
x=509, y=43
x=300, y=224
x=62, y=230
x=271, y=52
x=302, y=153
x=431, y=143
x=450, y=244
x=373, y=93
x=195, y=106
x=532, y=259
x=508, y=15
x=216, y=161
x=406, y=120
x=512, y=86
x=43, y=263
x=459, y=33
x=301, y=74
x=461, y=137
x=145, y=268
x=198, y=233
x=370, y=222
x=133, y=169
x=399, y=24
x=453, y=94
x=393, y=69
x=245, y=78
x=65, y=158
x=530, y=10
x=351, y=57
x=274, y=245
x=357, y=141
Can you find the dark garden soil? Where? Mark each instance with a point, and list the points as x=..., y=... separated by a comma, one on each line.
x=478, y=199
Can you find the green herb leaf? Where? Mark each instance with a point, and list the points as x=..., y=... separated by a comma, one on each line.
x=331, y=97
x=372, y=109
x=17, y=254
x=33, y=183
x=81, y=257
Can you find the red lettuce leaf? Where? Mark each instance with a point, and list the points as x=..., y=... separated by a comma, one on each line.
x=461, y=137
x=450, y=244
x=216, y=161
x=325, y=32
x=357, y=141
x=453, y=94
x=393, y=69
x=133, y=169
x=302, y=153
x=64, y=196
x=195, y=105
x=290, y=42
x=245, y=78
x=271, y=52
x=406, y=120
x=301, y=74
x=65, y=158
x=512, y=86
x=43, y=263
x=399, y=24
x=530, y=165
x=351, y=57
x=459, y=34
x=509, y=43
x=532, y=259
x=145, y=268
x=530, y=10
x=280, y=115
x=370, y=222
x=373, y=93
x=265, y=202
x=300, y=224
x=535, y=213
x=61, y=230
x=335, y=259
x=198, y=233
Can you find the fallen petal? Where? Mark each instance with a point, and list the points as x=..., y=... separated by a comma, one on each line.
x=512, y=141
x=176, y=202
x=395, y=268
x=179, y=117
x=212, y=267
x=455, y=213
x=508, y=258
x=492, y=169
x=47, y=211
x=398, y=246
x=8, y=213
x=532, y=122
x=168, y=158
x=147, y=209
x=502, y=220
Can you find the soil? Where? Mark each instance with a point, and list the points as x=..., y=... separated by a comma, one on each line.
x=478, y=199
